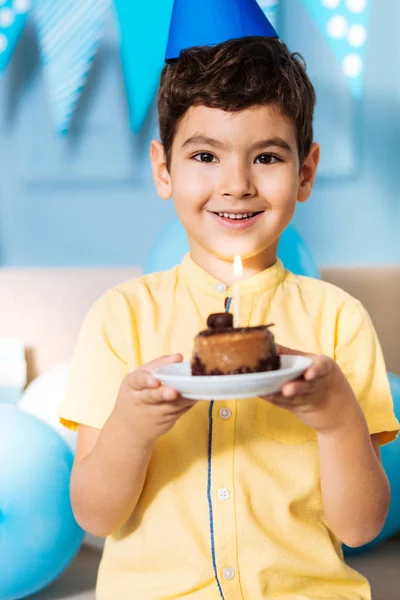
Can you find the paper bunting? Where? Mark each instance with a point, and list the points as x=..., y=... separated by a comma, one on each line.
x=144, y=30
x=13, y=17
x=344, y=24
x=270, y=8
x=69, y=32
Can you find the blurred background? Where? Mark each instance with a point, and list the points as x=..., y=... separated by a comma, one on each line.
x=79, y=214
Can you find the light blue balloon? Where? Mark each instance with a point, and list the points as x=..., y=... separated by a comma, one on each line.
x=391, y=462
x=295, y=254
x=172, y=245
x=38, y=533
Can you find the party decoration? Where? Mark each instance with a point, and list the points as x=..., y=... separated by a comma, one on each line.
x=69, y=32
x=39, y=535
x=344, y=24
x=391, y=463
x=172, y=245
x=270, y=8
x=13, y=17
x=211, y=22
x=144, y=30
x=12, y=369
x=43, y=398
x=296, y=255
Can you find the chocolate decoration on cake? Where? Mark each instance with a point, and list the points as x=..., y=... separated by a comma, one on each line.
x=225, y=350
x=220, y=320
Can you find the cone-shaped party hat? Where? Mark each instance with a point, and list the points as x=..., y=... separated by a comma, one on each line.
x=211, y=22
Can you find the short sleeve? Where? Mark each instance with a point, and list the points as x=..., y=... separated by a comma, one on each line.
x=359, y=355
x=98, y=365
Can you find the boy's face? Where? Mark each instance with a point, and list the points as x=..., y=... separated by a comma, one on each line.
x=235, y=179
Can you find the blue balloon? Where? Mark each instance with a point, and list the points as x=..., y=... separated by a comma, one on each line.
x=38, y=533
x=295, y=254
x=391, y=462
x=172, y=245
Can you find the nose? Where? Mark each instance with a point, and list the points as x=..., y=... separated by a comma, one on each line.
x=236, y=182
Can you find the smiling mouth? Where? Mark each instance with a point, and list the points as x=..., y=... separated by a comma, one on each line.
x=237, y=216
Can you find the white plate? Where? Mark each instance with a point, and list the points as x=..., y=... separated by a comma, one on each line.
x=226, y=387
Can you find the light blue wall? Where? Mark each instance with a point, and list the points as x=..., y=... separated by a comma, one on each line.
x=89, y=199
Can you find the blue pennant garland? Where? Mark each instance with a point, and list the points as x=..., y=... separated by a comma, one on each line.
x=344, y=24
x=69, y=32
x=144, y=28
x=13, y=17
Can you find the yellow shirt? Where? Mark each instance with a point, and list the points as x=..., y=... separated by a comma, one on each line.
x=231, y=506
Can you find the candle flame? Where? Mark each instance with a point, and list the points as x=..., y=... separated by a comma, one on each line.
x=237, y=266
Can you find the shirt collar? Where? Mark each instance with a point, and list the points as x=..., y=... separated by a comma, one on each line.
x=195, y=276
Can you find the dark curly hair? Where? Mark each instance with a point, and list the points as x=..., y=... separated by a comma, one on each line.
x=235, y=75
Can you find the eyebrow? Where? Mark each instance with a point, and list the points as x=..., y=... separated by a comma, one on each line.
x=203, y=140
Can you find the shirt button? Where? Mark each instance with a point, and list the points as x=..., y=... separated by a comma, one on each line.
x=225, y=413
x=223, y=494
x=220, y=287
x=228, y=573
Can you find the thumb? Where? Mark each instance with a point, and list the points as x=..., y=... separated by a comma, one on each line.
x=284, y=350
x=163, y=360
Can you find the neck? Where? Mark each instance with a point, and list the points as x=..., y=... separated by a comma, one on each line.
x=222, y=269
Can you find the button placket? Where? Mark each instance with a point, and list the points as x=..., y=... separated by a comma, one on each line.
x=225, y=413
x=223, y=494
x=220, y=287
x=228, y=573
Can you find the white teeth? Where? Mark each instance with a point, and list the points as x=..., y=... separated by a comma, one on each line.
x=235, y=216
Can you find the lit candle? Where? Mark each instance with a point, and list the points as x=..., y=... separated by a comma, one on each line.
x=237, y=273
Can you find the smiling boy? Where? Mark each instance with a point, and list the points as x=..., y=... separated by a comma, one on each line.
x=239, y=499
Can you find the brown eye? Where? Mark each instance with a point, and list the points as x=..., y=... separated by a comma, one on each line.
x=206, y=157
x=267, y=159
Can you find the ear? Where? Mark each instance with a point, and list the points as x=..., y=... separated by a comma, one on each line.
x=308, y=173
x=161, y=176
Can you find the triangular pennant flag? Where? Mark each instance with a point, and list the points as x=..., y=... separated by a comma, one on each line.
x=270, y=8
x=144, y=30
x=13, y=17
x=69, y=32
x=211, y=22
x=344, y=25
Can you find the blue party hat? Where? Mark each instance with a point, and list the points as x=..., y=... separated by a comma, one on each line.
x=211, y=22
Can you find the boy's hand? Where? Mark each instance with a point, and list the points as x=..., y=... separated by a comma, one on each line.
x=322, y=398
x=151, y=408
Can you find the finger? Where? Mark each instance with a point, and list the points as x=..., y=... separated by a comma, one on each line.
x=297, y=388
x=279, y=401
x=163, y=394
x=273, y=398
x=187, y=402
x=180, y=407
x=321, y=367
x=142, y=377
x=142, y=380
x=284, y=350
x=162, y=361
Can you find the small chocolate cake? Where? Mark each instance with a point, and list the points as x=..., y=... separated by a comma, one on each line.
x=224, y=350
